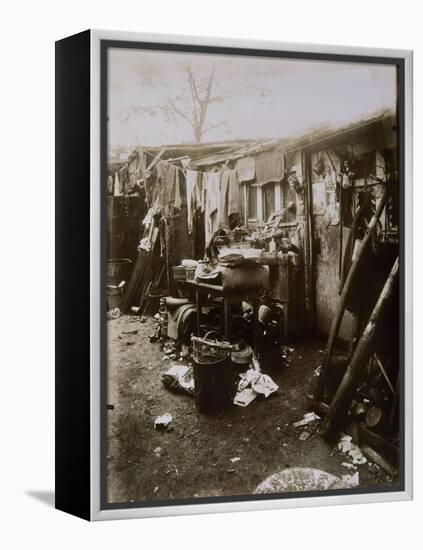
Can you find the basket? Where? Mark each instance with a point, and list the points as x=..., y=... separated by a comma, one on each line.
x=178, y=273
x=190, y=273
x=209, y=351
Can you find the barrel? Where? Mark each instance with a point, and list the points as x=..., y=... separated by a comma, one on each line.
x=118, y=270
x=244, y=278
x=213, y=384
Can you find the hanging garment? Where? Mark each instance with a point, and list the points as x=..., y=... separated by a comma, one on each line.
x=234, y=200
x=178, y=197
x=191, y=179
x=110, y=185
x=270, y=166
x=229, y=199
x=117, y=191
x=168, y=183
x=246, y=169
x=212, y=190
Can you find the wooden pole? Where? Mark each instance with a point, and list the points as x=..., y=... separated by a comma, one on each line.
x=336, y=323
x=361, y=355
x=308, y=243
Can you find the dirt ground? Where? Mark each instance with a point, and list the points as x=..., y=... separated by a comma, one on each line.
x=194, y=458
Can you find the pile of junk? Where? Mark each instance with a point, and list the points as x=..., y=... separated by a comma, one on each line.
x=216, y=319
x=222, y=329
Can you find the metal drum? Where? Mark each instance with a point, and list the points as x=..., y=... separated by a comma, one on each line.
x=245, y=278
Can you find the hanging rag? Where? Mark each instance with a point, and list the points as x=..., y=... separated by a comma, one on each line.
x=212, y=185
x=246, y=169
x=229, y=199
x=168, y=183
x=178, y=198
x=110, y=185
x=117, y=190
x=191, y=179
x=270, y=166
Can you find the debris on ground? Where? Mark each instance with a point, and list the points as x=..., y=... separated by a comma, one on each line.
x=318, y=371
x=378, y=460
x=244, y=397
x=307, y=418
x=113, y=314
x=253, y=382
x=351, y=480
x=264, y=385
x=135, y=331
x=304, y=436
x=163, y=421
x=346, y=446
x=179, y=378
x=349, y=466
x=235, y=459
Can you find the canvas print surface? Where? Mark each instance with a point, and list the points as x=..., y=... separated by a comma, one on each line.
x=253, y=262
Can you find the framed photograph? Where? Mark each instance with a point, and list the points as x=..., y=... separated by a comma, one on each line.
x=233, y=275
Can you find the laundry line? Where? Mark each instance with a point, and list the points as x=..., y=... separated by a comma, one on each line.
x=184, y=170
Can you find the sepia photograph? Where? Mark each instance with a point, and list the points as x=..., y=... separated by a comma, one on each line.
x=253, y=223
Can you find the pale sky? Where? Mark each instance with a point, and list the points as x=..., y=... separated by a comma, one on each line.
x=297, y=95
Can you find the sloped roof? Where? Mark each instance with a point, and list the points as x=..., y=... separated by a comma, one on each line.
x=306, y=139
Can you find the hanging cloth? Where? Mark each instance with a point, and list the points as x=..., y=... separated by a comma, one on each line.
x=246, y=169
x=117, y=191
x=229, y=199
x=168, y=183
x=191, y=179
x=270, y=166
x=211, y=183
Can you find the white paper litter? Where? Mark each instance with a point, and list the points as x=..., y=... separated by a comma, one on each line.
x=244, y=397
x=264, y=385
x=307, y=418
x=346, y=446
x=163, y=421
x=352, y=480
x=349, y=466
x=253, y=383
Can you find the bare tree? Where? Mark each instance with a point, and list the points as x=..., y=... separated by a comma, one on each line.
x=200, y=97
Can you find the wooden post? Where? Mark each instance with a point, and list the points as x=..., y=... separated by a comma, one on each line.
x=308, y=244
x=364, y=349
x=336, y=323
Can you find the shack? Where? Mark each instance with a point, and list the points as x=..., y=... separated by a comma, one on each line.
x=242, y=250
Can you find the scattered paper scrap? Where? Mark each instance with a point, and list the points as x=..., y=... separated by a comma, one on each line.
x=235, y=459
x=244, y=397
x=307, y=418
x=179, y=378
x=346, y=446
x=162, y=422
x=349, y=466
x=352, y=480
x=304, y=436
x=264, y=385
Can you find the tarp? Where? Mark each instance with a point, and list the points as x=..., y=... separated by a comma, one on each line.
x=270, y=166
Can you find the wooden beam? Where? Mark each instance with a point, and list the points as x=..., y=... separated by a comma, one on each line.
x=336, y=323
x=342, y=400
x=156, y=159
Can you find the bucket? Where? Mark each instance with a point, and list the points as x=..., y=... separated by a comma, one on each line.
x=212, y=374
x=114, y=297
x=118, y=269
